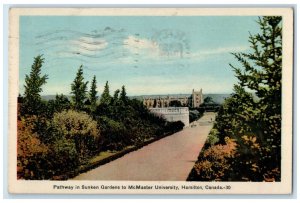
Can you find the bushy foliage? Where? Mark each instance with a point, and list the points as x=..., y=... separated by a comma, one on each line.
x=195, y=114
x=125, y=121
x=115, y=135
x=174, y=126
x=30, y=151
x=42, y=157
x=214, y=163
x=213, y=138
x=63, y=158
x=57, y=137
x=79, y=127
x=59, y=104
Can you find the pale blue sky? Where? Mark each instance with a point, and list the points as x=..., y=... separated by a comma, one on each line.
x=149, y=55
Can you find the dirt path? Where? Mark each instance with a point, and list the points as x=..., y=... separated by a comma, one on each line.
x=170, y=158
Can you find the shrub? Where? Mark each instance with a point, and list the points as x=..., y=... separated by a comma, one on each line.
x=115, y=134
x=30, y=152
x=63, y=157
x=214, y=163
x=79, y=127
x=213, y=138
x=174, y=126
x=194, y=115
x=59, y=104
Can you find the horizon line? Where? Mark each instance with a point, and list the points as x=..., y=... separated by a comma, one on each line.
x=133, y=95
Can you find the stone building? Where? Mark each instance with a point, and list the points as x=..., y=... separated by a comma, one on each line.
x=197, y=98
x=162, y=101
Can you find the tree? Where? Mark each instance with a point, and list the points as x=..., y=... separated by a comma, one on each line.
x=154, y=103
x=175, y=103
x=60, y=103
x=123, y=97
x=261, y=73
x=252, y=122
x=93, y=94
x=208, y=100
x=79, y=89
x=105, y=97
x=33, y=87
x=116, y=97
x=80, y=128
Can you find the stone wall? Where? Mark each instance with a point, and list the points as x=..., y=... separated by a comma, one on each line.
x=173, y=114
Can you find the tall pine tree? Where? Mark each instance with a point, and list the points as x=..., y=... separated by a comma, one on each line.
x=249, y=122
x=33, y=87
x=116, y=97
x=123, y=97
x=79, y=89
x=261, y=72
x=93, y=94
x=105, y=97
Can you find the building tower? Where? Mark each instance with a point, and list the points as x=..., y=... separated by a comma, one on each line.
x=197, y=98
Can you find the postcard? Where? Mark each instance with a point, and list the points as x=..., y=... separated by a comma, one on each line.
x=150, y=100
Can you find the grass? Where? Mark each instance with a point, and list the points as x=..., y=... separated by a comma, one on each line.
x=103, y=155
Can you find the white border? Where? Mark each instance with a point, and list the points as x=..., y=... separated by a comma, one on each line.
x=284, y=187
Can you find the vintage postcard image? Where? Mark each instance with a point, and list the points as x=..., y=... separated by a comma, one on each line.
x=150, y=100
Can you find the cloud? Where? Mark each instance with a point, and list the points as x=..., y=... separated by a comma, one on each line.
x=217, y=51
x=164, y=52
x=222, y=50
x=146, y=50
x=141, y=45
x=89, y=43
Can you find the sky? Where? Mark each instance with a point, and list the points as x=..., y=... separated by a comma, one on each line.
x=147, y=54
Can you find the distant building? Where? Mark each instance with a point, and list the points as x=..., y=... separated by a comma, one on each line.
x=162, y=101
x=197, y=98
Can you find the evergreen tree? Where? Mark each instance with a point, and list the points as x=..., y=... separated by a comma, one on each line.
x=123, y=97
x=105, y=97
x=208, y=100
x=261, y=72
x=93, y=94
x=33, y=87
x=116, y=97
x=79, y=89
x=253, y=123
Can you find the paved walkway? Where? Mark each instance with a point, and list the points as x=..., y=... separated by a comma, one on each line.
x=170, y=158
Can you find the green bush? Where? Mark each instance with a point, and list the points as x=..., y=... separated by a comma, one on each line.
x=79, y=127
x=38, y=160
x=213, y=138
x=63, y=158
x=115, y=135
x=174, y=126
